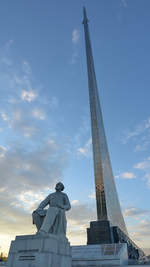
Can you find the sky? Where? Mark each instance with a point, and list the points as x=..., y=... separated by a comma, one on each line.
x=45, y=133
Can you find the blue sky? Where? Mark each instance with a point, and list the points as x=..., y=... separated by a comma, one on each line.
x=45, y=131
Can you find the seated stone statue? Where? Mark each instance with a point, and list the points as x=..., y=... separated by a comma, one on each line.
x=53, y=219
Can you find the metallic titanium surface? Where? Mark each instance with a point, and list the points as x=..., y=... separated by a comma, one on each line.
x=108, y=207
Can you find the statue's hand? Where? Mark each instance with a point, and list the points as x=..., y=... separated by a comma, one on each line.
x=40, y=211
x=34, y=211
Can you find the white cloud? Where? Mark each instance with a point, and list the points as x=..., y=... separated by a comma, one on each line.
x=75, y=202
x=138, y=130
x=140, y=233
x=51, y=142
x=29, y=166
x=35, y=169
x=78, y=220
x=86, y=150
x=38, y=114
x=22, y=122
x=19, y=112
x=145, y=167
x=92, y=195
x=3, y=150
x=143, y=164
x=75, y=36
x=28, y=96
x=75, y=40
x=140, y=136
x=133, y=211
x=28, y=131
x=143, y=146
x=82, y=214
x=4, y=116
x=28, y=200
x=126, y=175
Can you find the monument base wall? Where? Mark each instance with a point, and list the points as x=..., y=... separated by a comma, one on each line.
x=99, y=255
x=37, y=251
x=99, y=233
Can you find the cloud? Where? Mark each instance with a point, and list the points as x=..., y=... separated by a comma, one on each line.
x=75, y=41
x=81, y=214
x=75, y=202
x=28, y=96
x=133, y=211
x=23, y=169
x=143, y=146
x=30, y=167
x=126, y=175
x=143, y=165
x=23, y=107
x=78, y=220
x=27, y=176
x=75, y=36
x=92, y=195
x=142, y=131
x=4, y=116
x=22, y=122
x=86, y=149
x=137, y=131
x=140, y=233
x=16, y=210
x=2, y=151
x=38, y=114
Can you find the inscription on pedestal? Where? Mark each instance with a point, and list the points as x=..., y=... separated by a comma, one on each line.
x=27, y=258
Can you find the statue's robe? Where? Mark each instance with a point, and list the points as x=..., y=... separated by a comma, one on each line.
x=52, y=220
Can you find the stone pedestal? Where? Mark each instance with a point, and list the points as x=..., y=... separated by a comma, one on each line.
x=99, y=255
x=36, y=251
x=99, y=233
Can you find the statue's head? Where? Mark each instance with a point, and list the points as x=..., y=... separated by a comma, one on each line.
x=59, y=187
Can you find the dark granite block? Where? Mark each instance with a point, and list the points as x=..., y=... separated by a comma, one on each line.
x=99, y=233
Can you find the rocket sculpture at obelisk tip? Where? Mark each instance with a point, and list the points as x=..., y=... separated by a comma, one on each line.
x=108, y=207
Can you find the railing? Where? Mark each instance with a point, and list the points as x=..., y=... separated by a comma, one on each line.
x=134, y=252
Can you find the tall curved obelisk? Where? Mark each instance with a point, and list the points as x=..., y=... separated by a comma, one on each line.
x=108, y=207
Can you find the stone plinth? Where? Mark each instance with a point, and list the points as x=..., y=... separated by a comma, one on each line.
x=35, y=251
x=99, y=233
x=98, y=255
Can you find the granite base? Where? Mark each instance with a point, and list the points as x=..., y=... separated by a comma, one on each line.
x=36, y=251
x=98, y=255
x=99, y=233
